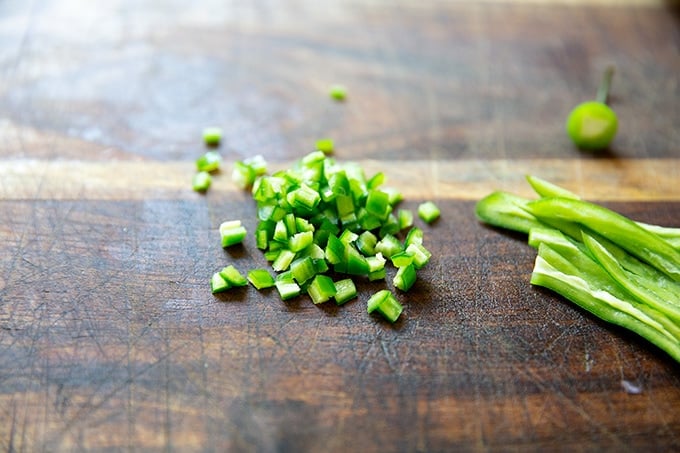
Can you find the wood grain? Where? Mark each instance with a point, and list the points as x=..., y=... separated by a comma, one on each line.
x=600, y=179
x=109, y=337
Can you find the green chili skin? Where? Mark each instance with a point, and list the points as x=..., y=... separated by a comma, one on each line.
x=645, y=290
x=622, y=271
x=614, y=227
x=510, y=211
x=575, y=288
x=547, y=189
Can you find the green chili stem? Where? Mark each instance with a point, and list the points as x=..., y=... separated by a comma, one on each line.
x=605, y=85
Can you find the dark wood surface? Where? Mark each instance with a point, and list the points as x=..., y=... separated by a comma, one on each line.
x=109, y=337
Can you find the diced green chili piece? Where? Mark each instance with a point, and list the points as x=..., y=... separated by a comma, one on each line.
x=325, y=145
x=260, y=278
x=345, y=207
x=377, y=204
x=348, y=236
x=388, y=246
x=390, y=226
x=264, y=232
x=257, y=163
x=421, y=255
x=335, y=250
x=210, y=161
x=320, y=265
x=313, y=251
x=321, y=289
x=312, y=159
x=265, y=210
x=300, y=241
x=380, y=274
x=376, y=263
x=376, y=299
x=261, y=239
x=271, y=255
x=287, y=289
x=414, y=236
x=291, y=225
x=366, y=243
x=303, y=269
x=212, y=136
x=405, y=217
x=305, y=197
x=428, y=212
x=385, y=303
x=394, y=195
x=356, y=263
x=340, y=267
x=402, y=259
x=201, y=181
x=218, y=284
x=302, y=224
x=339, y=183
x=285, y=276
x=368, y=221
x=232, y=232
x=267, y=189
x=243, y=175
x=280, y=232
x=338, y=92
x=326, y=193
x=283, y=260
x=345, y=291
x=233, y=276
x=376, y=181
x=405, y=277
x=325, y=229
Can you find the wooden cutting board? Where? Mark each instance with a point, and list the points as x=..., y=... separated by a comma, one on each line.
x=109, y=336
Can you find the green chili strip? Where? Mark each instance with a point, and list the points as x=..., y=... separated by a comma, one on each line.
x=613, y=226
x=599, y=302
x=623, y=271
x=644, y=290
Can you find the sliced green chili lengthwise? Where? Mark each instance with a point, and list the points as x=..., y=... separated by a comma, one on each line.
x=624, y=272
x=613, y=226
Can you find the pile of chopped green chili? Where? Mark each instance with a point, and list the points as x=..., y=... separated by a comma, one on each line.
x=321, y=225
x=624, y=272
